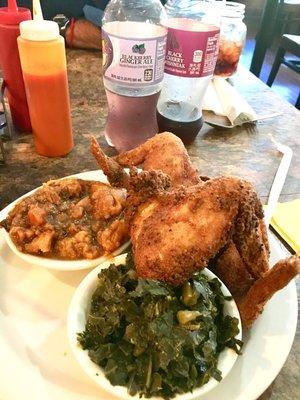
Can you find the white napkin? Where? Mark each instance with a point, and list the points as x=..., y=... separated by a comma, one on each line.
x=223, y=99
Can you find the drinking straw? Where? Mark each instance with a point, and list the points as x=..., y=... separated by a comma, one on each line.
x=279, y=180
x=37, y=10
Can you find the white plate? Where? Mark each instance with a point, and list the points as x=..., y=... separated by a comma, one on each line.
x=37, y=362
x=61, y=265
x=79, y=309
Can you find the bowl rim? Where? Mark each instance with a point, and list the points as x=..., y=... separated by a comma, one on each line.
x=62, y=265
x=76, y=319
x=54, y=263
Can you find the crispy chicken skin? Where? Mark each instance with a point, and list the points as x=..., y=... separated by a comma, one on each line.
x=164, y=152
x=178, y=227
x=178, y=233
x=229, y=266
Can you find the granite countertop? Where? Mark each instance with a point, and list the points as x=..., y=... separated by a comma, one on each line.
x=248, y=152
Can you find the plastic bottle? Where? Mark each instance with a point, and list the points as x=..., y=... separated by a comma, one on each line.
x=133, y=65
x=191, y=55
x=43, y=61
x=10, y=17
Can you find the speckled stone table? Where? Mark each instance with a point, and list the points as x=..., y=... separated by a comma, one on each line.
x=248, y=152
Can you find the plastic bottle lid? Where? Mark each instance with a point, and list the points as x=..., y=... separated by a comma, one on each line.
x=13, y=15
x=39, y=30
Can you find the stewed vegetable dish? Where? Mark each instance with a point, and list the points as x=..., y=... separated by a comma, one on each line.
x=69, y=219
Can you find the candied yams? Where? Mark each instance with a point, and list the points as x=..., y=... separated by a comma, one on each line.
x=69, y=219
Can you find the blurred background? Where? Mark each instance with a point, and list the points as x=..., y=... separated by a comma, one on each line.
x=286, y=21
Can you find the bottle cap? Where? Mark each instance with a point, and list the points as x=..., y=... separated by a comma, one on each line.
x=13, y=15
x=39, y=30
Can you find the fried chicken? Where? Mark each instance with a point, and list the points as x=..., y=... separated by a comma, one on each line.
x=164, y=152
x=179, y=232
x=176, y=230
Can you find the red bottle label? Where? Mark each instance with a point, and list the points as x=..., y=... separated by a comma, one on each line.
x=191, y=54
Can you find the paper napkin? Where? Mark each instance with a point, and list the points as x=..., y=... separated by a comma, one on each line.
x=223, y=99
x=286, y=221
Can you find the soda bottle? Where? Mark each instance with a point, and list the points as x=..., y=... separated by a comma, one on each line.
x=191, y=55
x=133, y=41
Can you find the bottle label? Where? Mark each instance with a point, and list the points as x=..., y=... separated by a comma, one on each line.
x=191, y=54
x=129, y=61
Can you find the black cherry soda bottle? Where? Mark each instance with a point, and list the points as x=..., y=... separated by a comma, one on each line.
x=134, y=43
x=191, y=55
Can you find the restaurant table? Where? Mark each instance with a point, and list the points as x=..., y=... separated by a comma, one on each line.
x=248, y=152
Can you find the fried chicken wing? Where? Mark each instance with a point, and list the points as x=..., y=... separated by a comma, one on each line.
x=180, y=232
x=252, y=304
x=164, y=152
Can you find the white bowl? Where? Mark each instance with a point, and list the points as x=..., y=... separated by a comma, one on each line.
x=79, y=308
x=56, y=264
x=61, y=265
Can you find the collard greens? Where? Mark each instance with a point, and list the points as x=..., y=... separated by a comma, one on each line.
x=156, y=339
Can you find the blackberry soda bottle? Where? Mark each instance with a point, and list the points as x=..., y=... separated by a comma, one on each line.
x=191, y=55
x=133, y=42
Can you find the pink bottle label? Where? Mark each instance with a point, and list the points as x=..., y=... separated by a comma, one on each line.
x=191, y=54
x=138, y=62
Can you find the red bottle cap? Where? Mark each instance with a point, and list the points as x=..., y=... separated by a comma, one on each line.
x=13, y=15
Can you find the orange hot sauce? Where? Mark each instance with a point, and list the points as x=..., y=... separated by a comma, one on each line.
x=43, y=61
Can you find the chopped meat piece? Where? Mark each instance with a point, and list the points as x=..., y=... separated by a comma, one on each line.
x=113, y=236
x=77, y=209
x=77, y=247
x=107, y=202
x=36, y=215
x=73, y=186
x=47, y=195
x=17, y=234
x=41, y=243
x=84, y=246
x=65, y=248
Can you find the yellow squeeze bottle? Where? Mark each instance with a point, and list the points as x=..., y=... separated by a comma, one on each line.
x=43, y=62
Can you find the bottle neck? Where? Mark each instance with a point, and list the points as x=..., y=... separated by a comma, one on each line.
x=189, y=8
x=233, y=10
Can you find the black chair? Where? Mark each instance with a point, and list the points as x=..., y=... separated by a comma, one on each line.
x=288, y=12
x=291, y=44
x=277, y=18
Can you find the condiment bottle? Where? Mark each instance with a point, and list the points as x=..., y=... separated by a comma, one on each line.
x=191, y=55
x=43, y=61
x=10, y=17
x=134, y=42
